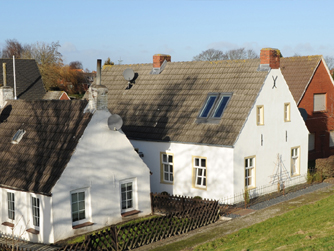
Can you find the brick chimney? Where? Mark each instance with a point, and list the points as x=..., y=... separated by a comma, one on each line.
x=158, y=59
x=270, y=57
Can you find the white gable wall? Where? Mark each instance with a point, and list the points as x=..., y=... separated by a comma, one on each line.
x=102, y=159
x=219, y=168
x=274, y=134
x=24, y=217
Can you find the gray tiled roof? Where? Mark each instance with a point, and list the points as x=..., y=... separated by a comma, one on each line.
x=29, y=85
x=53, y=129
x=164, y=107
x=297, y=72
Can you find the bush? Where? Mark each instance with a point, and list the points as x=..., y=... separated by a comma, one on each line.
x=309, y=178
x=198, y=198
x=246, y=196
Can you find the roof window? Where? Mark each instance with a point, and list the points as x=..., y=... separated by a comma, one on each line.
x=18, y=136
x=214, y=107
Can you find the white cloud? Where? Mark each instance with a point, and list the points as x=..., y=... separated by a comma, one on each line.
x=67, y=47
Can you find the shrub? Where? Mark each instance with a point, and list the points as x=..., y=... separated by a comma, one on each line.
x=246, y=196
x=164, y=193
x=309, y=178
x=198, y=198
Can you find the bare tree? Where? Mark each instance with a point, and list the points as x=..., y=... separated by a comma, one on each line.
x=12, y=48
x=329, y=61
x=241, y=53
x=76, y=65
x=49, y=61
x=210, y=55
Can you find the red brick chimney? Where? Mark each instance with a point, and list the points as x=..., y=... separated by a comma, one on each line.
x=158, y=59
x=271, y=57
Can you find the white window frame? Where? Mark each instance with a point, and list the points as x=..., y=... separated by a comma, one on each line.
x=260, y=115
x=200, y=172
x=295, y=161
x=36, y=209
x=250, y=163
x=10, y=205
x=87, y=218
x=167, y=167
x=287, y=112
x=134, y=195
x=311, y=141
x=331, y=138
x=319, y=102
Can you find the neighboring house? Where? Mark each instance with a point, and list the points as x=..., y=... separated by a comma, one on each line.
x=210, y=129
x=64, y=172
x=56, y=95
x=312, y=87
x=29, y=85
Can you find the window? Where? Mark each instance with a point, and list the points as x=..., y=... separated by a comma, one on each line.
x=35, y=211
x=200, y=172
x=260, y=115
x=127, y=198
x=78, y=206
x=311, y=138
x=250, y=172
x=287, y=112
x=295, y=161
x=167, y=168
x=11, y=205
x=319, y=102
x=214, y=106
x=331, y=138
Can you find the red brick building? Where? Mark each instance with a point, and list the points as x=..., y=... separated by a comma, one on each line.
x=312, y=87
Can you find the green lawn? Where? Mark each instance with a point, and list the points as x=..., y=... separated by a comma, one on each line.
x=310, y=227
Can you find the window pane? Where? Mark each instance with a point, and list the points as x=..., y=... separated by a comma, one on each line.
x=166, y=168
x=204, y=181
x=209, y=103
x=199, y=171
x=74, y=197
x=166, y=176
x=81, y=215
x=164, y=158
x=129, y=186
x=251, y=162
x=123, y=188
x=170, y=158
x=171, y=168
x=129, y=197
x=124, y=204
x=221, y=107
x=75, y=207
x=129, y=203
x=123, y=196
x=82, y=196
x=81, y=205
x=203, y=162
x=75, y=217
x=196, y=162
x=171, y=177
x=199, y=181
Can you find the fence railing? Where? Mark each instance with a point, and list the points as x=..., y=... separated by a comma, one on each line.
x=186, y=214
x=262, y=190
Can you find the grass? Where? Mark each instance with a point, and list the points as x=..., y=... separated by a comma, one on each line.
x=310, y=227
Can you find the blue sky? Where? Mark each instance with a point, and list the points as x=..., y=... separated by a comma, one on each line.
x=134, y=31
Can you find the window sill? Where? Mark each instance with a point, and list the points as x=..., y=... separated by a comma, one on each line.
x=201, y=188
x=8, y=224
x=295, y=175
x=86, y=224
x=133, y=212
x=32, y=231
x=251, y=188
x=166, y=182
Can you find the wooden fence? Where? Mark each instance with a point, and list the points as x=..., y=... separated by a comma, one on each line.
x=188, y=214
x=6, y=247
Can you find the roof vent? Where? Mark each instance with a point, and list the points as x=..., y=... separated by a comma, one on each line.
x=18, y=136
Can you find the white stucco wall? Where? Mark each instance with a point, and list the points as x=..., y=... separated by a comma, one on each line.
x=102, y=159
x=274, y=133
x=219, y=168
x=24, y=217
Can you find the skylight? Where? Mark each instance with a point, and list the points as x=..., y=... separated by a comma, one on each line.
x=18, y=136
x=214, y=106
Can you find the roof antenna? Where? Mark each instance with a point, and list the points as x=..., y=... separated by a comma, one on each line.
x=14, y=78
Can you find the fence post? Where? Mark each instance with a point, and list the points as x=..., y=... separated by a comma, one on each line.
x=152, y=208
x=183, y=206
x=115, y=236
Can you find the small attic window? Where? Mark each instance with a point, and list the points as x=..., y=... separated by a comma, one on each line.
x=18, y=136
x=214, y=107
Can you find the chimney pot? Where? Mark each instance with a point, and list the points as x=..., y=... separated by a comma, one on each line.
x=158, y=59
x=271, y=57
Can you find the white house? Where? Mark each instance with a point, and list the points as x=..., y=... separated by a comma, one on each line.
x=210, y=129
x=64, y=172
